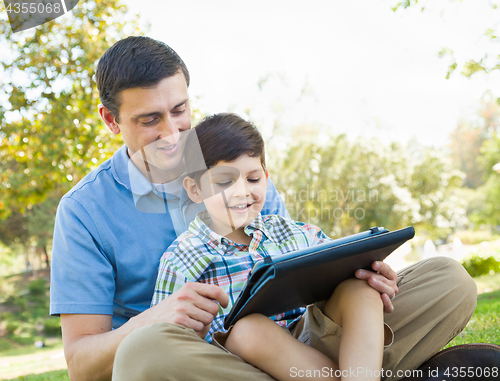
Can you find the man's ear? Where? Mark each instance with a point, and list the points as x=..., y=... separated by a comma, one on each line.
x=192, y=189
x=108, y=118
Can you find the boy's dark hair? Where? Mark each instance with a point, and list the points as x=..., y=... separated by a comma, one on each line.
x=223, y=137
x=136, y=61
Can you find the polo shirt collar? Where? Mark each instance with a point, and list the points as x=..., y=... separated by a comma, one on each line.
x=126, y=173
x=119, y=167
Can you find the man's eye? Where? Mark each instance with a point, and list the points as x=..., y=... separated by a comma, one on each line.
x=151, y=122
x=178, y=112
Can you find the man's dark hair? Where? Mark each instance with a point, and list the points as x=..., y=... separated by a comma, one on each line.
x=136, y=61
x=224, y=137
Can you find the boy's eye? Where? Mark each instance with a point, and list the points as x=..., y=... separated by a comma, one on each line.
x=224, y=184
x=254, y=180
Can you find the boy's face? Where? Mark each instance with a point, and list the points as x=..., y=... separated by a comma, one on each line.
x=150, y=122
x=234, y=193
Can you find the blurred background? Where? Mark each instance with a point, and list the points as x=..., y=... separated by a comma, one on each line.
x=374, y=113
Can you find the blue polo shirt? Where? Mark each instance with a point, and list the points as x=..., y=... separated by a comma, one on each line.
x=111, y=230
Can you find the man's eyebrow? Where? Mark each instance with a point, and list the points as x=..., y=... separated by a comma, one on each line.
x=182, y=103
x=156, y=113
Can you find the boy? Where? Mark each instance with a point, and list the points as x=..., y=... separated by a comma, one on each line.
x=224, y=242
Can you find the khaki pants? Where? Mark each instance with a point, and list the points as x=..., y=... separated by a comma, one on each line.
x=435, y=301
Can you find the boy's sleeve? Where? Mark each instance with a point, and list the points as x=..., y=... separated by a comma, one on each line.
x=169, y=279
x=314, y=234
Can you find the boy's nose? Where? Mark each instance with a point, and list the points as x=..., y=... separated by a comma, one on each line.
x=241, y=188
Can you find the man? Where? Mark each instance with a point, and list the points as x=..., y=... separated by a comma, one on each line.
x=113, y=226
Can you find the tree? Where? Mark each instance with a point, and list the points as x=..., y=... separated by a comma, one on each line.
x=345, y=186
x=490, y=60
x=50, y=132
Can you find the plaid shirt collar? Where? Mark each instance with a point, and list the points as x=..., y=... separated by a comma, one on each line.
x=199, y=227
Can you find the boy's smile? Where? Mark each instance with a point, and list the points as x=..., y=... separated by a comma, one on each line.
x=234, y=193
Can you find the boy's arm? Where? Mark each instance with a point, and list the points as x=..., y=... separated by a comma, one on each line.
x=90, y=344
x=383, y=279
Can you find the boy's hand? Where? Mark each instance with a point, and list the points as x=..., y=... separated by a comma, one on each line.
x=193, y=306
x=384, y=280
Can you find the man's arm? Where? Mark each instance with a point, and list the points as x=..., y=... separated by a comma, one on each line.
x=90, y=344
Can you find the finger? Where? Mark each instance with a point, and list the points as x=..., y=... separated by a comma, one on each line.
x=378, y=284
x=384, y=269
x=211, y=292
x=363, y=274
x=388, y=306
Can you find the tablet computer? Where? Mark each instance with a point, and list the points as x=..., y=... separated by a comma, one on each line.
x=296, y=279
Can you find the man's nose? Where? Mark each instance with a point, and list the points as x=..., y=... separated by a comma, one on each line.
x=169, y=131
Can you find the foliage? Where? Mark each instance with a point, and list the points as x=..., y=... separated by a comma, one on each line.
x=52, y=326
x=345, y=186
x=11, y=327
x=488, y=209
x=490, y=60
x=478, y=265
x=28, y=316
x=38, y=287
x=474, y=237
x=50, y=131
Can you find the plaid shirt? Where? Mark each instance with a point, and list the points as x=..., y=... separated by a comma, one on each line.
x=201, y=255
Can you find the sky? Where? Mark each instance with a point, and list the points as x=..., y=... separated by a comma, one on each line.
x=361, y=68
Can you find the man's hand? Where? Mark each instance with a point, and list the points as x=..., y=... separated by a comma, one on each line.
x=193, y=306
x=88, y=339
x=384, y=280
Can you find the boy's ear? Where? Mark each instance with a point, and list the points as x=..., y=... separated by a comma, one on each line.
x=109, y=119
x=192, y=189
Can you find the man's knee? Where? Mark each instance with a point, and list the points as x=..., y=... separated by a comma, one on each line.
x=455, y=275
x=146, y=352
x=455, y=280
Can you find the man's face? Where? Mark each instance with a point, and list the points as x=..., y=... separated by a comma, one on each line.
x=151, y=121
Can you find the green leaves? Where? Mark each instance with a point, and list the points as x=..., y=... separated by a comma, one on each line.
x=50, y=131
x=346, y=186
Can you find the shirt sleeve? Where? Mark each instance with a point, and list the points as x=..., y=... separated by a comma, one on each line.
x=274, y=203
x=169, y=278
x=82, y=277
x=314, y=234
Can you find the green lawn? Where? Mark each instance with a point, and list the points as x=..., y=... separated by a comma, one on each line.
x=56, y=375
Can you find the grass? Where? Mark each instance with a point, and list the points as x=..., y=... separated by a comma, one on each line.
x=56, y=375
x=29, y=350
x=484, y=326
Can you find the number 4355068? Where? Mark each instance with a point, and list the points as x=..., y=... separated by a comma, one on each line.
x=33, y=8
